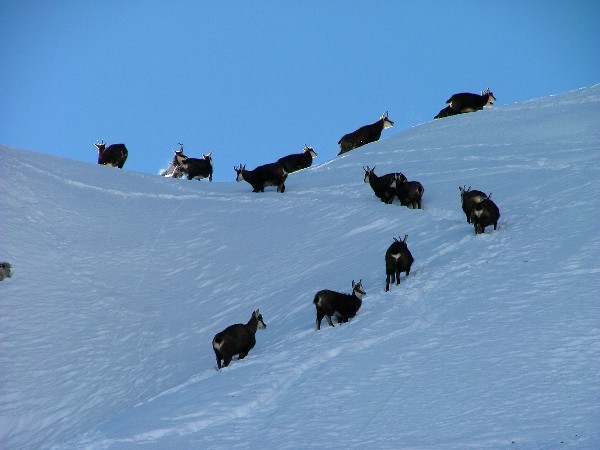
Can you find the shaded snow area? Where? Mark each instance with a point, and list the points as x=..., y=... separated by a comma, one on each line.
x=120, y=281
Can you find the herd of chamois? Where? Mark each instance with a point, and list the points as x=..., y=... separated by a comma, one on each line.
x=479, y=209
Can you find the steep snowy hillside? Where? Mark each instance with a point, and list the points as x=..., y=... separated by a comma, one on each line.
x=120, y=281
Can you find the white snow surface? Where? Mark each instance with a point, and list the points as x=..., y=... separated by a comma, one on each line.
x=121, y=279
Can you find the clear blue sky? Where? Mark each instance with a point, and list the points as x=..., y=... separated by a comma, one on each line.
x=253, y=81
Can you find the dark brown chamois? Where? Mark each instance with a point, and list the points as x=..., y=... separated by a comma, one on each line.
x=114, y=155
x=384, y=187
x=5, y=270
x=342, y=306
x=410, y=193
x=484, y=214
x=365, y=134
x=272, y=174
x=197, y=168
x=467, y=102
x=446, y=112
x=297, y=161
x=469, y=198
x=237, y=339
x=397, y=259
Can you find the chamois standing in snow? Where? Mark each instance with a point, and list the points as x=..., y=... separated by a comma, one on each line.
x=384, y=187
x=410, y=193
x=198, y=168
x=297, y=161
x=5, y=270
x=397, y=259
x=342, y=306
x=469, y=198
x=114, y=155
x=484, y=214
x=446, y=112
x=272, y=174
x=466, y=102
x=364, y=135
x=237, y=339
x=172, y=170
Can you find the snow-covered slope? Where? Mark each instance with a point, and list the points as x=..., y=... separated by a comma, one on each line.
x=120, y=280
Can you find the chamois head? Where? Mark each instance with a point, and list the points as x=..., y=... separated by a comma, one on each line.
x=491, y=98
x=310, y=150
x=261, y=325
x=239, y=171
x=387, y=123
x=368, y=171
x=358, y=290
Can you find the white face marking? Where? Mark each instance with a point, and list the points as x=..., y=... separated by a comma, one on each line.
x=396, y=256
x=180, y=159
x=387, y=124
x=359, y=291
x=240, y=177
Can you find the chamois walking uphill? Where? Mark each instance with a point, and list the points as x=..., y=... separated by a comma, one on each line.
x=484, y=214
x=410, y=193
x=398, y=258
x=364, y=135
x=237, y=339
x=469, y=198
x=342, y=306
x=272, y=174
x=465, y=102
x=297, y=161
x=197, y=168
x=114, y=155
x=384, y=187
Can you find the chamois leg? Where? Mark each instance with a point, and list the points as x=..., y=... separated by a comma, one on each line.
x=218, y=359
x=320, y=316
x=329, y=320
x=397, y=278
x=387, y=282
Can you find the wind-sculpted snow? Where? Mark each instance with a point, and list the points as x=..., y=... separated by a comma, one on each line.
x=120, y=281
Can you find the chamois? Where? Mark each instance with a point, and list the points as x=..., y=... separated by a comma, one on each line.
x=5, y=270
x=272, y=174
x=446, y=112
x=469, y=198
x=297, y=161
x=193, y=167
x=172, y=171
x=237, y=339
x=364, y=135
x=397, y=259
x=467, y=102
x=410, y=193
x=484, y=214
x=384, y=186
x=114, y=155
x=342, y=306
